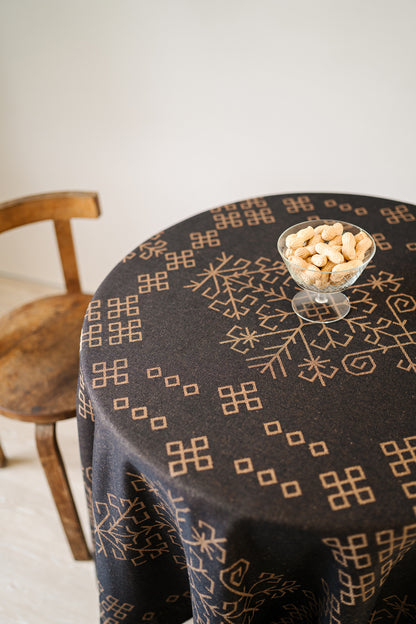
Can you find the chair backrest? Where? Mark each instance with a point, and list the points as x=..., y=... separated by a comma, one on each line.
x=60, y=208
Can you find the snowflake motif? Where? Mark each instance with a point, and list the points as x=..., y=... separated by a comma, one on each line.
x=395, y=607
x=124, y=530
x=384, y=281
x=204, y=538
x=256, y=297
x=316, y=366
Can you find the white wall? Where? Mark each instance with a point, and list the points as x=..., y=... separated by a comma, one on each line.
x=170, y=107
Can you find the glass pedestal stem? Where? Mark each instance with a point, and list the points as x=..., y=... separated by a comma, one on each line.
x=321, y=298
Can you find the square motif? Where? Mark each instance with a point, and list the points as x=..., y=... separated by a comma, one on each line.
x=159, y=422
x=190, y=389
x=329, y=478
x=154, y=372
x=291, y=489
x=365, y=495
x=249, y=386
x=121, y=403
x=355, y=472
x=389, y=448
x=294, y=438
x=318, y=448
x=273, y=427
x=172, y=381
x=267, y=477
x=177, y=468
x=137, y=413
x=174, y=447
x=201, y=442
x=410, y=489
x=243, y=466
x=204, y=463
x=225, y=391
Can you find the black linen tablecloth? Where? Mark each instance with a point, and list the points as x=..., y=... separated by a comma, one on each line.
x=243, y=465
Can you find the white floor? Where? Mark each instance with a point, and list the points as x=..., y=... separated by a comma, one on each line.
x=40, y=583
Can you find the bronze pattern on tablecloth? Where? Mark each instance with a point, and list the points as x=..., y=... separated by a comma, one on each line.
x=236, y=456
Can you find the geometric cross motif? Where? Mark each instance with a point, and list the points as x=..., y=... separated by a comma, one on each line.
x=105, y=373
x=93, y=312
x=188, y=455
x=92, y=336
x=199, y=240
x=302, y=202
x=400, y=213
x=224, y=208
x=255, y=211
x=84, y=404
x=255, y=217
x=253, y=202
x=241, y=397
x=113, y=611
x=129, y=331
x=381, y=241
x=127, y=306
x=158, y=282
x=347, y=488
x=175, y=260
x=395, y=546
x=362, y=589
x=405, y=462
x=405, y=456
x=232, y=219
x=350, y=552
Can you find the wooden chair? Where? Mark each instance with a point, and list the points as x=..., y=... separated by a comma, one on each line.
x=39, y=349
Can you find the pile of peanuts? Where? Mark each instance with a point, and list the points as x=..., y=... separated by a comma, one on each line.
x=327, y=252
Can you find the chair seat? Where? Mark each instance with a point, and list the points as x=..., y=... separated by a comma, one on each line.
x=39, y=358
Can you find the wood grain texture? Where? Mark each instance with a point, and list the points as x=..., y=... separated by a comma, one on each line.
x=53, y=206
x=39, y=348
x=54, y=468
x=3, y=458
x=39, y=358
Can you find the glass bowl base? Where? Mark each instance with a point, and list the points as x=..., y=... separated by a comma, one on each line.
x=320, y=307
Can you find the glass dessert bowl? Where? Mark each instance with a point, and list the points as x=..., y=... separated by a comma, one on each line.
x=324, y=257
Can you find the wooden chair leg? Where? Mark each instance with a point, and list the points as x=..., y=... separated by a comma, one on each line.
x=53, y=466
x=3, y=459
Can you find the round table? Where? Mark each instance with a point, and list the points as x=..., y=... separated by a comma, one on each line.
x=243, y=465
